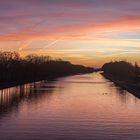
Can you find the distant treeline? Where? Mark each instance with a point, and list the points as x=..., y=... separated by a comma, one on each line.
x=33, y=67
x=122, y=70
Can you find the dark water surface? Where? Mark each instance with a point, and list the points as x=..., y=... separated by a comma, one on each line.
x=81, y=107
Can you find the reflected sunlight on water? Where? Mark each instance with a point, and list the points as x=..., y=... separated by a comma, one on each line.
x=81, y=107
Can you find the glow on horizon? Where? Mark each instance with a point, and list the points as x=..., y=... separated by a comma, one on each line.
x=85, y=32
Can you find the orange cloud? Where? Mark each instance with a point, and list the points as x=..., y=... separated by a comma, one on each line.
x=122, y=24
x=70, y=31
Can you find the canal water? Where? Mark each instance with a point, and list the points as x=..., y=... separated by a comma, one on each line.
x=81, y=107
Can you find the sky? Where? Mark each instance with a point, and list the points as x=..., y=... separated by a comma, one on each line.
x=88, y=32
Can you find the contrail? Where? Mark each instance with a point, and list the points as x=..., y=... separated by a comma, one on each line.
x=33, y=27
x=24, y=45
x=27, y=43
x=49, y=45
x=52, y=43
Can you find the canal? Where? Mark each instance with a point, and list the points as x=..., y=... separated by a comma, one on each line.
x=80, y=107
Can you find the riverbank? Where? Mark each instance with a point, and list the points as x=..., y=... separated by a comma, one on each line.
x=10, y=84
x=16, y=70
x=130, y=87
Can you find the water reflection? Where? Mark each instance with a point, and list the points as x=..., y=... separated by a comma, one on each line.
x=81, y=107
x=11, y=98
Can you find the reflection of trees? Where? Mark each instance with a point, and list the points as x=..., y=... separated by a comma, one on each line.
x=11, y=98
x=124, y=95
x=121, y=94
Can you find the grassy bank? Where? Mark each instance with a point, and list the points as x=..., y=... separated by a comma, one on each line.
x=130, y=87
x=124, y=75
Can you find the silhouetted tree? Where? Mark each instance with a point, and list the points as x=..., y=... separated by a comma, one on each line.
x=34, y=67
x=121, y=70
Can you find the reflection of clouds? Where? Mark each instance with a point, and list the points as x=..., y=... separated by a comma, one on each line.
x=126, y=97
x=123, y=96
x=76, y=109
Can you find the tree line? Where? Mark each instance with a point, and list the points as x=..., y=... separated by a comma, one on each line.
x=122, y=70
x=33, y=67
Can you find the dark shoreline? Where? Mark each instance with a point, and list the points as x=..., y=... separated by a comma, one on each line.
x=124, y=85
x=10, y=84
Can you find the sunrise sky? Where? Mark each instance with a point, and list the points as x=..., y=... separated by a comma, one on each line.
x=88, y=32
